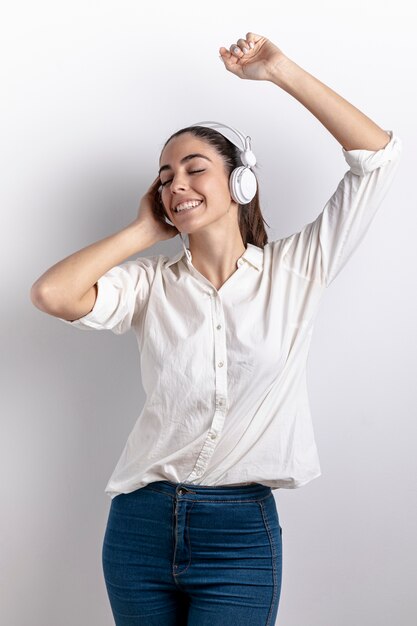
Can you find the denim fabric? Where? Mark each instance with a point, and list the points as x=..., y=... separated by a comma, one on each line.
x=177, y=554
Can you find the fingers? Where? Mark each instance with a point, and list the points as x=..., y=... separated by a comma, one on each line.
x=154, y=186
x=241, y=48
x=156, y=183
x=253, y=37
x=225, y=55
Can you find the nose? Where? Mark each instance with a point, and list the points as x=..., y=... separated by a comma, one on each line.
x=178, y=182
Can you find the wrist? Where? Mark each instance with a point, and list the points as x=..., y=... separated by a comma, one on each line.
x=140, y=235
x=282, y=71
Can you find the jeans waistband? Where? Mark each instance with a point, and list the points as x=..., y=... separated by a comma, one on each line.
x=244, y=491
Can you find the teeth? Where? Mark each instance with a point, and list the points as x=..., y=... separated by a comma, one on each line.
x=187, y=205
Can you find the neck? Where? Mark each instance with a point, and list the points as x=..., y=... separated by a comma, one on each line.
x=216, y=257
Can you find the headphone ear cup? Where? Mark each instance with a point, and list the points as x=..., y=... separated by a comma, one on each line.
x=242, y=185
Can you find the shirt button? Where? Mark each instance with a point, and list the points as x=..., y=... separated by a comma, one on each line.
x=239, y=262
x=218, y=326
x=220, y=364
x=213, y=435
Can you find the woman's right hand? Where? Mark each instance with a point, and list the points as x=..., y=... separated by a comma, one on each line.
x=151, y=212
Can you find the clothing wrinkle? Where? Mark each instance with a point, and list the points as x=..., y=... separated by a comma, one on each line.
x=225, y=371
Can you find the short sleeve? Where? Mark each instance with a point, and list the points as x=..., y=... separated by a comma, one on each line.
x=122, y=294
x=322, y=248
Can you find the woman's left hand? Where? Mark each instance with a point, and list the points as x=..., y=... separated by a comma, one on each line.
x=260, y=62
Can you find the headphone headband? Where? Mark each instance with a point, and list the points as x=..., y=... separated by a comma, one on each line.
x=245, y=141
x=247, y=156
x=215, y=125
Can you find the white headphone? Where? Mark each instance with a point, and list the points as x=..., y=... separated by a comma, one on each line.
x=242, y=181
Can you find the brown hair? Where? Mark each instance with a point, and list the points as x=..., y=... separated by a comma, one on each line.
x=251, y=221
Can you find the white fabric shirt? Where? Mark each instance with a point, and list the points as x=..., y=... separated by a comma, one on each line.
x=224, y=370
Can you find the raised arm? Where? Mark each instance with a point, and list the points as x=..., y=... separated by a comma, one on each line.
x=265, y=61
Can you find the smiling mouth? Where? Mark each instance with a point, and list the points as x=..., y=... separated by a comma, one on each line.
x=188, y=210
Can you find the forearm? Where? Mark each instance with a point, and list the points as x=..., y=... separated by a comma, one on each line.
x=66, y=282
x=349, y=126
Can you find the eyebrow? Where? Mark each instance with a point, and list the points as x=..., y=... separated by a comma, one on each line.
x=186, y=158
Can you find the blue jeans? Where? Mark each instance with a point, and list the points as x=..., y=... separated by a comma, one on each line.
x=177, y=554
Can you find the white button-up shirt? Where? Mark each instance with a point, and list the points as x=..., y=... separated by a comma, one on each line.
x=224, y=370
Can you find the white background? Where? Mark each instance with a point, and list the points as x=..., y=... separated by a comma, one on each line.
x=91, y=90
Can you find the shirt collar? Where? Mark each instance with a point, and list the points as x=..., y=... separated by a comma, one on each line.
x=252, y=255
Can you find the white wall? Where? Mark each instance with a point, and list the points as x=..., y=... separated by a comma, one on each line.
x=91, y=90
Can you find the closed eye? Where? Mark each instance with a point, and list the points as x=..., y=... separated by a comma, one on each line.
x=191, y=172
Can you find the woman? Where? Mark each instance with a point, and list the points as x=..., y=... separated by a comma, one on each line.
x=223, y=327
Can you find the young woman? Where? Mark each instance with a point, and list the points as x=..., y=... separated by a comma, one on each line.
x=223, y=327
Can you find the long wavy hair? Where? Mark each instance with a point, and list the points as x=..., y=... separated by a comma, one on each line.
x=251, y=220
